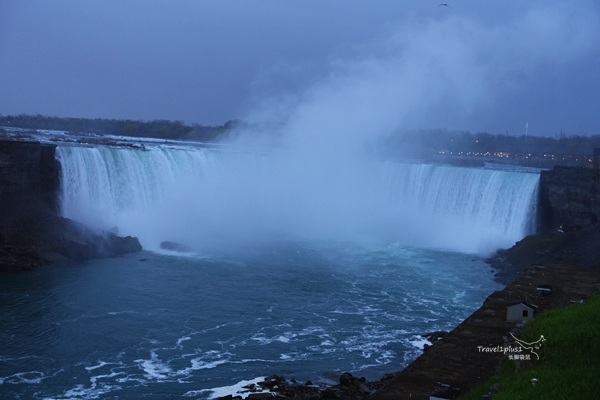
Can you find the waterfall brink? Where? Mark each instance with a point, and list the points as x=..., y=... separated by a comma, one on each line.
x=208, y=200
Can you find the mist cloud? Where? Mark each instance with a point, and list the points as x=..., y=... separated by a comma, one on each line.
x=319, y=178
x=434, y=74
x=305, y=171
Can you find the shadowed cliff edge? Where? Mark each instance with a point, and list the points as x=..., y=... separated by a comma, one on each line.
x=31, y=232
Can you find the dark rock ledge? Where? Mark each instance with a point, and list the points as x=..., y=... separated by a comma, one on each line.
x=31, y=232
x=50, y=239
x=580, y=247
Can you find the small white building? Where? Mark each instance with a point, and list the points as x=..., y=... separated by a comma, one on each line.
x=520, y=311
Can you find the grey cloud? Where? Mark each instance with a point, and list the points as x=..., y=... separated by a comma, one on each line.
x=212, y=61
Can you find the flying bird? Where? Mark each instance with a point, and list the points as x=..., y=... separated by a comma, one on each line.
x=444, y=4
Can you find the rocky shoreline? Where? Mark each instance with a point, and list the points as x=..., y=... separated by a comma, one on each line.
x=579, y=247
x=52, y=239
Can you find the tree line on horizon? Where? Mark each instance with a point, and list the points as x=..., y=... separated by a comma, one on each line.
x=455, y=142
x=415, y=142
x=158, y=128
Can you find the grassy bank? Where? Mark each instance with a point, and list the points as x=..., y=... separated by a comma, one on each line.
x=569, y=364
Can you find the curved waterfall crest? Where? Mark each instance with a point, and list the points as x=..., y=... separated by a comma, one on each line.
x=202, y=197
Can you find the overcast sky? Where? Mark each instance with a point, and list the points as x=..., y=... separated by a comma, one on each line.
x=478, y=65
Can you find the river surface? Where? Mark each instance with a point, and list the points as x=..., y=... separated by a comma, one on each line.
x=164, y=325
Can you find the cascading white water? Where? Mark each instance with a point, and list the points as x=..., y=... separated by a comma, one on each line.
x=202, y=198
x=473, y=209
x=101, y=186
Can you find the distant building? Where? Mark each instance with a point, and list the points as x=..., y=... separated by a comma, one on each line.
x=520, y=311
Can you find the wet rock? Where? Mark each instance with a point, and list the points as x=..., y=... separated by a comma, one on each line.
x=119, y=245
x=273, y=382
x=259, y=396
x=42, y=239
x=346, y=379
x=174, y=246
x=433, y=336
x=362, y=387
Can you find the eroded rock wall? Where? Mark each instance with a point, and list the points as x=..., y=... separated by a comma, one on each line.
x=28, y=185
x=31, y=231
x=569, y=196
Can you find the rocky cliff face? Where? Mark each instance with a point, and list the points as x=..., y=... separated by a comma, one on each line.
x=569, y=196
x=31, y=232
x=28, y=182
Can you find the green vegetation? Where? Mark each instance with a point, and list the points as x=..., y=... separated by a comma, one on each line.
x=162, y=129
x=569, y=365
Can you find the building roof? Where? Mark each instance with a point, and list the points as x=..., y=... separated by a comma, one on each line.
x=528, y=305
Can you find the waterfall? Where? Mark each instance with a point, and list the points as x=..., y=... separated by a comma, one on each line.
x=105, y=187
x=205, y=198
x=474, y=209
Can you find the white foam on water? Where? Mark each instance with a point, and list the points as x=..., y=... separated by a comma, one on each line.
x=235, y=390
x=120, y=312
x=419, y=342
x=458, y=296
x=94, y=379
x=154, y=368
x=198, y=364
x=285, y=338
x=182, y=339
x=100, y=364
x=311, y=330
x=83, y=393
x=130, y=378
x=95, y=391
x=194, y=393
x=385, y=358
x=30, y=377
